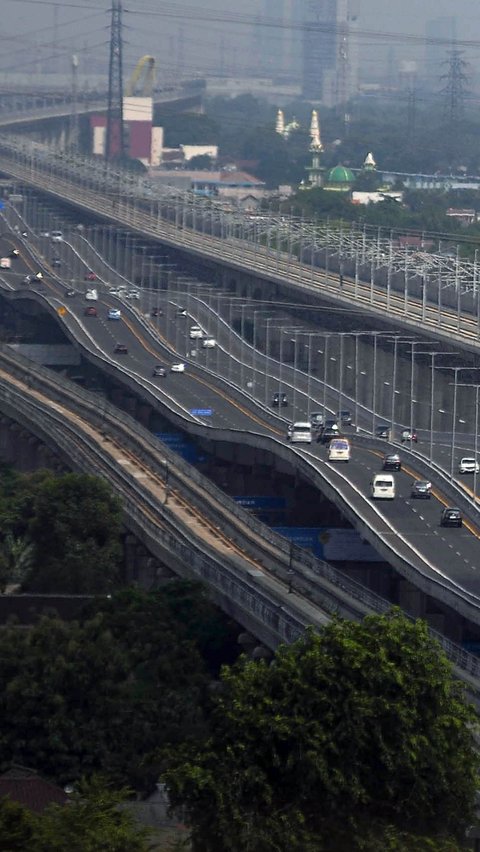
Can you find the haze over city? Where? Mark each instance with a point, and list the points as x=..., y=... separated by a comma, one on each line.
x=214, y=38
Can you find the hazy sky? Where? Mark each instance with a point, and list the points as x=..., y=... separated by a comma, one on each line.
x=36, y=36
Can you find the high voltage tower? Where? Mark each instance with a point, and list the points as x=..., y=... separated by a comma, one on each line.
x=454, y=92
x=115, y=127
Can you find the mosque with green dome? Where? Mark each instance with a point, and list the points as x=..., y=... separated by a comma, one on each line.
x=338, y=179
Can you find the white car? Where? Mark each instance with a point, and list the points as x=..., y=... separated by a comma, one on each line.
x=177, y=368
x=132, y=294
x=5, y=263
x=209, y=343
x=468, y=465
x=91, y=295
x=114, y=314
x=196, y=333
x=56, y=237
x=114, y=291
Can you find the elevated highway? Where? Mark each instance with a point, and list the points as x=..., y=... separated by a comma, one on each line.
x=54, y=106
x=270, y=259
x=185, y=521
x=443, y=564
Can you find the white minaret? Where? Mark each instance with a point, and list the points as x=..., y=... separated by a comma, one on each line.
x=280, y=123
x=316, y=142
x=369, y=163
x=316, y=169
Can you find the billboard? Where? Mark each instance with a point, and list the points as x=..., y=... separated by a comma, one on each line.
x=332, y=544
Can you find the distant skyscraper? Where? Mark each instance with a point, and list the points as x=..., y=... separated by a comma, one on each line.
x=319, y=46
x=330, y=60
x=438, y=30
x=273, y=38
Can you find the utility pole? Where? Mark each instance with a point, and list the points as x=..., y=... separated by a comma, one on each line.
x=454, y=91
x=115, y=85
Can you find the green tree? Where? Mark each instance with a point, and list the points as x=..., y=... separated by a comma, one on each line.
x=201, y=162
x=101, y=695
x=189, y=129
x=16, y=827
x=75, y=531
x=95, y=819
x=351, y=733
x=16, y=556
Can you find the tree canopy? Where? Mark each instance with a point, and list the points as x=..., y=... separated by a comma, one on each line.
x=105, y=693
x=59, y=533
x=356, y=738
x=95, y=819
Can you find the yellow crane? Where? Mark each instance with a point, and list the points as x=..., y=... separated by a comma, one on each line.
x=145, y=66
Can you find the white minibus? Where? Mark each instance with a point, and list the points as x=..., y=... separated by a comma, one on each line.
x=300, y=433
x=382, y=486
x=339, y=450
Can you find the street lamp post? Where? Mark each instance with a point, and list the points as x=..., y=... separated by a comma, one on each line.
x=456, y=371
x=433, y=355
x=475, y=437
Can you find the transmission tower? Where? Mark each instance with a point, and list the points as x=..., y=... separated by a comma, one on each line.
x=454, y=91
x=411, y=115
x=115, y=86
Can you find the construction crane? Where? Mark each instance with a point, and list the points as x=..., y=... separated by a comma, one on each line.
x=145, y=66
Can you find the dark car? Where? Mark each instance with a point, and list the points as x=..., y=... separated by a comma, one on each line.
x=90, y=311
x=409, y=435
x=451, y=517
x=181, y=312
x=56, y=262
x=327, y=434
x=90, y=276
x=159, y=371
x=391, y=461
x=421, y=488
x=344, y=417
x=316, y=419
x=14, y=253
x=121, y=349
x=279, y=399
x=382, y=431
x=331, y=423
x=71, y=293
x=157, y=312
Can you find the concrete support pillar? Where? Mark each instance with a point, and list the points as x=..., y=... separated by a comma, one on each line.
x=411, y=599
x=144, y=413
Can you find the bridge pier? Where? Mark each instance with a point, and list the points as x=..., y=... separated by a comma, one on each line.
x=411, y=599
x=141, y=568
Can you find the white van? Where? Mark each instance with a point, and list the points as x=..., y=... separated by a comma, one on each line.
x=300, y=433
x=91, y=295
x=339, y=450
x=382, y=486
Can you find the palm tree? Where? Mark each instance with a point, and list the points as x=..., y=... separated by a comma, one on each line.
x=16, y=557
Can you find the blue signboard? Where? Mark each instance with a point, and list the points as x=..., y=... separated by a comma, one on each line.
x=331, y=544
x=2, y=205
x=262, y=502
x=181, y=445
x=201, y=412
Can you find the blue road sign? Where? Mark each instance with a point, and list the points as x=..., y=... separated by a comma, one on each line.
x=2, y=205
x=201, y=412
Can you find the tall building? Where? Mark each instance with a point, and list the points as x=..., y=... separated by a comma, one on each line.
x=273, y=37
x=329, y=51
x=319, y=46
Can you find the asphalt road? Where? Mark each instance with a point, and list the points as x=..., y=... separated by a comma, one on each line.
x=411, y=526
